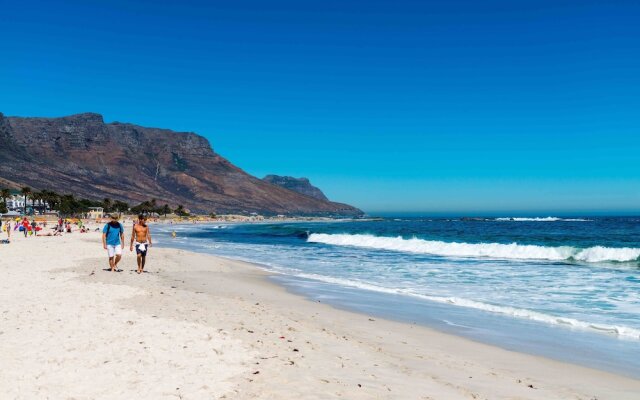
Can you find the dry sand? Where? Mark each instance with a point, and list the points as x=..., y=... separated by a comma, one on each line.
x=201, y=327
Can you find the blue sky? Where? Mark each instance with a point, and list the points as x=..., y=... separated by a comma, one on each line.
x=439, y=107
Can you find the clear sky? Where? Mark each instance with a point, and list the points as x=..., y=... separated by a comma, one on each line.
x=425, y=106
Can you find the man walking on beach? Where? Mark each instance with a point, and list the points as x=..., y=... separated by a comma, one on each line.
x=141, y=237
x=112, y=241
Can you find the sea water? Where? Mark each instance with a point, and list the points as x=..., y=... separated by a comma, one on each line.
x=567, y=288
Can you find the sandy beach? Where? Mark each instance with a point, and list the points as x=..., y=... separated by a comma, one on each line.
x=200, y=327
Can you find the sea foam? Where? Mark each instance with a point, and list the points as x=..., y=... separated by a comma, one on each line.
x=618, y=330
x=542, y=219
x=513, y=251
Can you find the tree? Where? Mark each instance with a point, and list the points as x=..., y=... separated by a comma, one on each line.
x=25, y=191
x=39, y=197
x=120, y=206
x=52, y=198
x=34, y=198
x=150, y=206
x=5, y=194
x=165, y=210
x=3, y=208
x=180, y=211
x=69, y=205
x=142, y=208
x=107, y=204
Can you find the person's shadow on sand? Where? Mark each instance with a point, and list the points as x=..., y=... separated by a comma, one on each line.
x=109, y=270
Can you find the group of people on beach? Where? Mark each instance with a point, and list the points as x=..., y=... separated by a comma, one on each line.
x=34, y=228
x=112, y=236
x=113, y=241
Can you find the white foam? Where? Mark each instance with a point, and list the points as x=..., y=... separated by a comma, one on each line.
x=491, y=250
x=542, y=219
x=600, y=253
x=623, y=331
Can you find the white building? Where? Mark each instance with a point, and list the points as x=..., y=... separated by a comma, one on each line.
x=95, y=213
x=16, y=203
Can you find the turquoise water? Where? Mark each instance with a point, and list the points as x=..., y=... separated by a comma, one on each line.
x=568, y=288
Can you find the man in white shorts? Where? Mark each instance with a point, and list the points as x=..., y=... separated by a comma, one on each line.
x=112, y=241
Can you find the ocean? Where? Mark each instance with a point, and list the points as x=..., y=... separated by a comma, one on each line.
x=565, y=288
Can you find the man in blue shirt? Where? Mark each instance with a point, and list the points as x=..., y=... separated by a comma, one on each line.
x=112, y=241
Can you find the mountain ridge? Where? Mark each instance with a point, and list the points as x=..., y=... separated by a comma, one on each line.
x=83, y=155
x=300, y=185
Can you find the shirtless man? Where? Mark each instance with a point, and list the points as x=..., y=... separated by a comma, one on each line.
x=141, y=237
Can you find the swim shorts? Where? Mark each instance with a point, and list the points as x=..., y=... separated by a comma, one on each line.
x=114, y=250
x=141, y=248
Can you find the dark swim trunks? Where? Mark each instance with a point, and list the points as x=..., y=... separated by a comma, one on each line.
x=141, y=248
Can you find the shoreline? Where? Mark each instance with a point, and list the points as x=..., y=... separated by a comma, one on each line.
x=590, y=348
x=522, y=336
x=279, y=344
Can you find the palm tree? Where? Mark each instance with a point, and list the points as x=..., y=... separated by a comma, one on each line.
x=107, y=204
x=25, y=191
x=166, y=210
x=180, y=210
x=5, y=194
x=52, y=198
x=121, y=206
x=42, y=201
x=35, y=196
x=48, y=199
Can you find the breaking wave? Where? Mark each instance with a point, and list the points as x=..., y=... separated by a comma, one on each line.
x=490, y=250
x=544, y=219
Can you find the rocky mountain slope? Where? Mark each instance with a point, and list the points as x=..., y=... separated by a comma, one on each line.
x=83, y=155
x=300, y=185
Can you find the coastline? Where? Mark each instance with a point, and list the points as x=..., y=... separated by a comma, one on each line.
x=245, y=337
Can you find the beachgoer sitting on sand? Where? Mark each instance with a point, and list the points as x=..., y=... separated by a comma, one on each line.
x=112, y=241
x=141, y=237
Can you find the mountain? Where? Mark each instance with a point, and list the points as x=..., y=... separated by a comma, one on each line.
x=83, y=155
x=300, y=185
